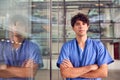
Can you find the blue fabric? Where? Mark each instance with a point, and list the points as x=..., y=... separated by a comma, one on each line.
x=28, y=50
x=93, y=53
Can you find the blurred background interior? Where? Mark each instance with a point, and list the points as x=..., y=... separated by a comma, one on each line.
x=50, y=28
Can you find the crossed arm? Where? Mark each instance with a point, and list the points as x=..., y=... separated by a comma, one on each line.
x=28, y=69
x=90, y=71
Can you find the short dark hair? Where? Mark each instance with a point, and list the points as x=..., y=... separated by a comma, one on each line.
x=81, y=17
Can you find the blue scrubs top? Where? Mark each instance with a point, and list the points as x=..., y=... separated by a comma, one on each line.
x=93, y=53
x=27, y=50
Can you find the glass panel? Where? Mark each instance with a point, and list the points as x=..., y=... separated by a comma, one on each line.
x=41, y=33
x=57, y=23
x=9, y=9
x=117, y=30
x=94, y=17
x=116, y=3
x=116, y=21
x=15, y=46
x=94, y=31
x=57, y=35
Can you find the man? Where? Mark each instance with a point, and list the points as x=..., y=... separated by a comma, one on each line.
x=83, y=58
x=21, y=57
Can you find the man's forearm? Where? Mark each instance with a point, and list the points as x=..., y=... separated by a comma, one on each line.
x=71, y=72
x=99, y=73
x=94, y=74
x=21, y=72
x=5, y=74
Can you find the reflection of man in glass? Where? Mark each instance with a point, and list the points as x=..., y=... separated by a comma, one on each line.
x=21, y=56
x=83, y=58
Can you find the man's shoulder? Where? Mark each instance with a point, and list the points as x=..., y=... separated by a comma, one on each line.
x=31, y=43
x=95, y=41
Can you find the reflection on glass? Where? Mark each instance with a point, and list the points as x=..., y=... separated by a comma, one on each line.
x=17, y=52
x=20, y=54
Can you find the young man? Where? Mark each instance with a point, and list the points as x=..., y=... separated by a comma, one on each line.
x=21, y=57
x=83, y=58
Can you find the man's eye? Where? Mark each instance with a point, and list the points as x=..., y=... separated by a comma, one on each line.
x=83, y=23
x=77, y=24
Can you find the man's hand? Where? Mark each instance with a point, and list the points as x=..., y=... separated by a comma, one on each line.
x=28, y=63
x=94, y=67
x=68, y=71
x=67, y=63
x=3, y=66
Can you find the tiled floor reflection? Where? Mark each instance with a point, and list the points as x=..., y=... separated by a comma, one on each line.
x=45, y=75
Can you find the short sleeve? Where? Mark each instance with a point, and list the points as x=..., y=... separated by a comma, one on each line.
x=64, y=54
x=103, y=56
x=36, y=55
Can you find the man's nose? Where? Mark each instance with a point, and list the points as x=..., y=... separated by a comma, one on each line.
x=80, y=26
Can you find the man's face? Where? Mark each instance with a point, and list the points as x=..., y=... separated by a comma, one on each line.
x=16, y=32
x=80, y=28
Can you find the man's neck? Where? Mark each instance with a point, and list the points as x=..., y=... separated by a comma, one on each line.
x=17, y=43
x=81, y=39
x=17, y=40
